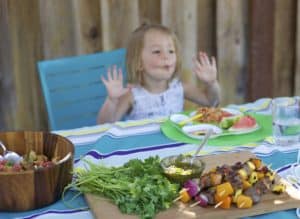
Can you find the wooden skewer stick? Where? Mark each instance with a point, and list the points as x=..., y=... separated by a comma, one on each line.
x=179, y=197
x=221, y=202
x=218, y=204
x=182, y=123
x=194, y=204
x=242, y=204
x=269, y=166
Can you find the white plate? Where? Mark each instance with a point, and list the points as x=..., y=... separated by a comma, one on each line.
x=177, y=118
x=192, y=130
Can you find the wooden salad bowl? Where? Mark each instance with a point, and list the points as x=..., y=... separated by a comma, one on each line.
x=31, y=189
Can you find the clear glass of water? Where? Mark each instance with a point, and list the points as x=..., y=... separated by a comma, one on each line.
x=286, y=121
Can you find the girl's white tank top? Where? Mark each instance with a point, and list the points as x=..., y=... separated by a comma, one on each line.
x=147, y=105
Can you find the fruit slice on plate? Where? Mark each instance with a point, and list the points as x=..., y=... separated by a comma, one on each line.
x=227, y=122
x=244, y=124
x=199, y=131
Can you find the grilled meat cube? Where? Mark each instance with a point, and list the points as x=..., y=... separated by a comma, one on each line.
x=264, y=184
x=205, y=181
x=236, y=181
x=210, y=195
x=238, y=165
x=254, y=193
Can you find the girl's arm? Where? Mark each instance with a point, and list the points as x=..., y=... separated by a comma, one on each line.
x=118, y=99
x=114, y=109
x=209, y=96
x=206, y=71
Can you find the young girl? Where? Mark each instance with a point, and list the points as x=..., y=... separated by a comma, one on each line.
x=153, y=64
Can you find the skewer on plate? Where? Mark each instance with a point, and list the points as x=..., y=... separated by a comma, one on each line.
x=197, y=116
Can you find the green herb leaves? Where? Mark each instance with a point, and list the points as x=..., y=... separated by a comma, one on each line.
x=137, y=187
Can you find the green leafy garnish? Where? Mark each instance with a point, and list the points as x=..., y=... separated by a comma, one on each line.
x=137, y=187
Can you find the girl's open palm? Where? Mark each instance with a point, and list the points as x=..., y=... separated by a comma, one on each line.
x=114, y=83
x=205, y=69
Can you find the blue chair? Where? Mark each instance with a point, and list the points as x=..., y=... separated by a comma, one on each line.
x=72, y=88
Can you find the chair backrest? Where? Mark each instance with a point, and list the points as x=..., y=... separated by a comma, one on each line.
x=72, y=87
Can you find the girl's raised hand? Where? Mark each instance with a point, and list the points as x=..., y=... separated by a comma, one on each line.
x=205, y=69
x=114, y=83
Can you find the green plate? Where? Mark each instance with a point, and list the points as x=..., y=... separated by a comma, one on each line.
x=172, y=131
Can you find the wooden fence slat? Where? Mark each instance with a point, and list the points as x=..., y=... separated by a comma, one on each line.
x=231, y=49
x=206, y=24
x=57, y=25
x=150, y=11
x=119, y=19
x=7, y=90
x=261, y=49
x=88, y=29
x=25, y=52
x=284, y=52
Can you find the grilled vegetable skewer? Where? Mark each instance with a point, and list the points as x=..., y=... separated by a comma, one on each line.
x=241, y=183
x=190, y=190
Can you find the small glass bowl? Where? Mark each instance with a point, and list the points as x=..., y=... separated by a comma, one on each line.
x=179, y=169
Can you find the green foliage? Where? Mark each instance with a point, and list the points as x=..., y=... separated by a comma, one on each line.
x=137, y=187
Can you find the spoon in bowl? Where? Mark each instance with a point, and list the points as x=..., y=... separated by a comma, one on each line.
x=10, y=156
x=201, y=145
x=64, y=158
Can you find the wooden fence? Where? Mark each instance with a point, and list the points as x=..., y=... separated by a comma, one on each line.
x=256, y=43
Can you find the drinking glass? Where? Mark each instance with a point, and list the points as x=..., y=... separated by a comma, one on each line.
x=286, y=121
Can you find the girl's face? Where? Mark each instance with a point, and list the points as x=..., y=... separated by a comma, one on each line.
x=158, y=56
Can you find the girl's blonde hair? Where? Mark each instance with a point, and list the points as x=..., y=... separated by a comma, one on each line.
x=135, y=47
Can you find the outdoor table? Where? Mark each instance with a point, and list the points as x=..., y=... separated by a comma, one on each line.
x=119, y=142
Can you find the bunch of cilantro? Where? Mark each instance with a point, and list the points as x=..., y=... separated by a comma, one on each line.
x=137, y=187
